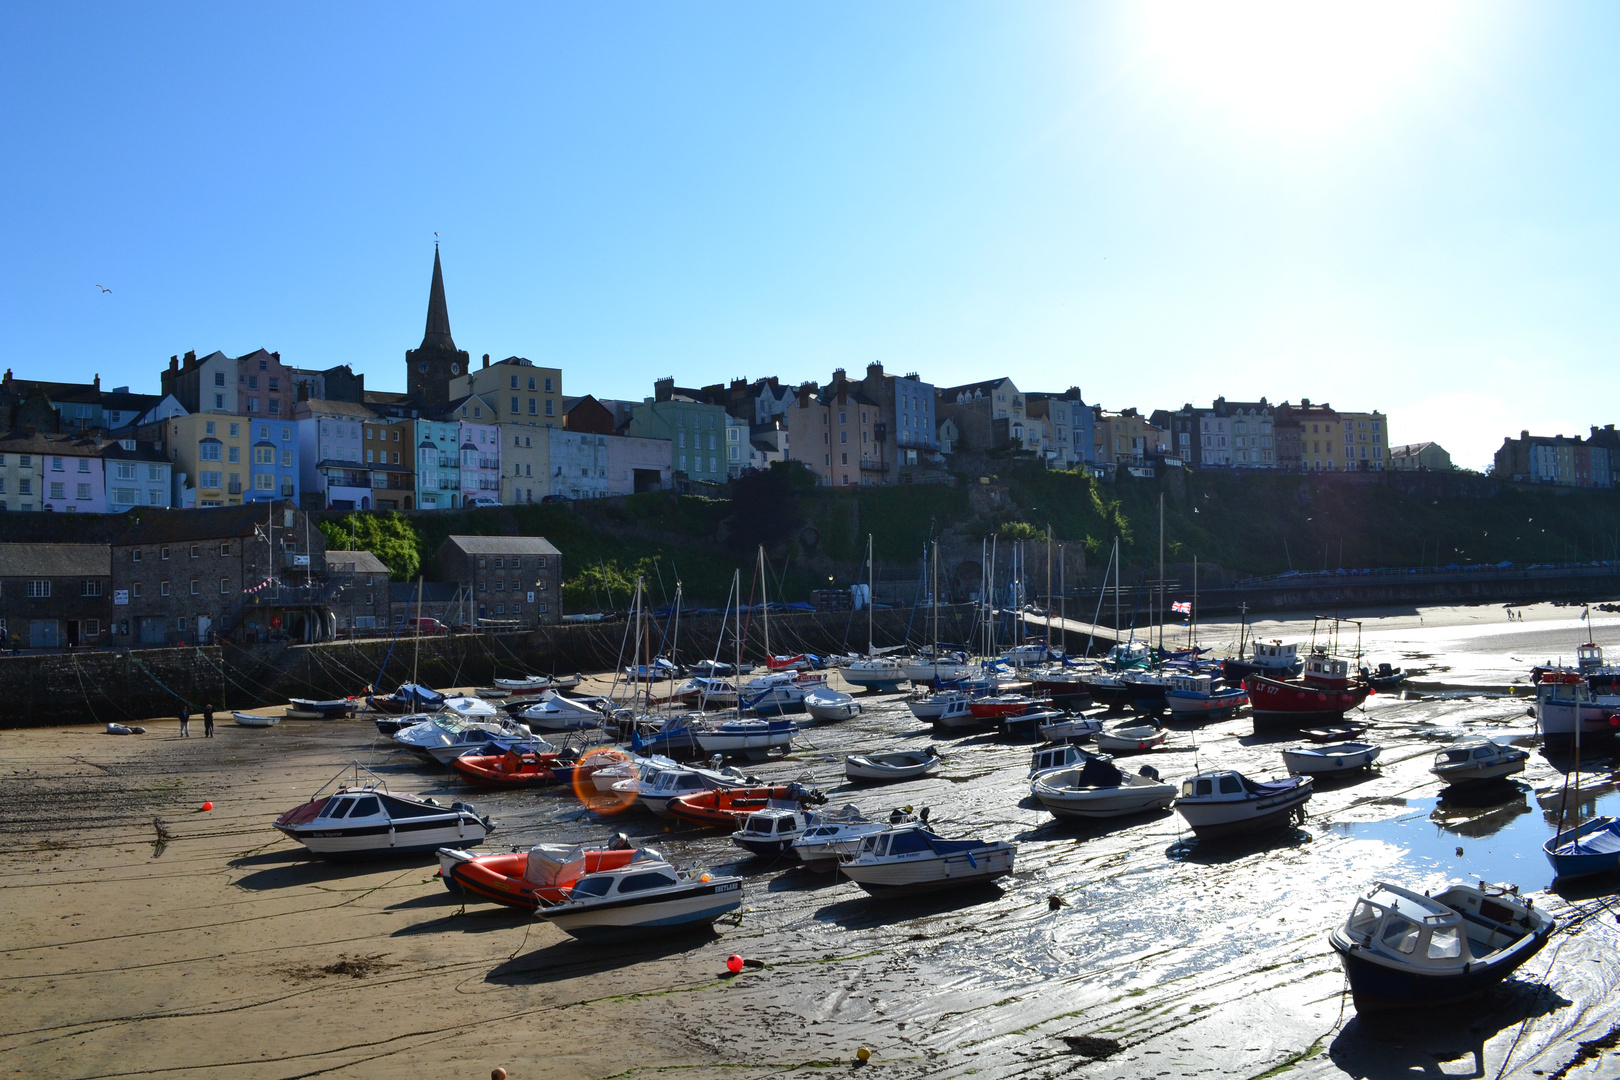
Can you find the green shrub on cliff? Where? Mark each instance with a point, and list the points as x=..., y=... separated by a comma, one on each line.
x=387, y=535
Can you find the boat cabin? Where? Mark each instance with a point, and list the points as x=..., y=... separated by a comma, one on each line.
x=1421, y=932
x=1048, y=758
x=1564, y=687
x=1471, y=751
x=1589, y=657
x=773, y=822
x=631, y=879
x=1196, y=685
x=1225, y=786
x=1325, y=670
x=1275, y=656
x=674, y=782
x=1129, y=654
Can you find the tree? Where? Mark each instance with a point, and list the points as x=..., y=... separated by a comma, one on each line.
x=387, y=535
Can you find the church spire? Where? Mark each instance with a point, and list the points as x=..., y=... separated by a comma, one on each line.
x=437, y=335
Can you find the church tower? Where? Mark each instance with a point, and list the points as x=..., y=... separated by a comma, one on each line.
x=430, y=367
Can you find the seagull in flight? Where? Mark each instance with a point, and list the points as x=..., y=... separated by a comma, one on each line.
x=104, y=288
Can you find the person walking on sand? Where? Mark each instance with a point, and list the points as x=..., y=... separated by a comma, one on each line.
x=208, y=720
x=185, y=720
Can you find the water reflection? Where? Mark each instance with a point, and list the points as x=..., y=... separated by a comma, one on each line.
x=1480, y=811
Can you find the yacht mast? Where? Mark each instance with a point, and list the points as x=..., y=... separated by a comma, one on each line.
x=1048, y=645
x=764, y=607
x=871, y=591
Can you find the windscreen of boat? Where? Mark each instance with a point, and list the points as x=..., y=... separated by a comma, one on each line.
x=654, y=879
x=1099, y=773
x=1451, y=757
x=1485, y=752
x=364, y=807
x=336, y=808
x=1400, y=934
x=591, y=886
x=405, y=808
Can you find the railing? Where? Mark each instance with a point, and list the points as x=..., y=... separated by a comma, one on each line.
x=868, y=465
x=234, y=487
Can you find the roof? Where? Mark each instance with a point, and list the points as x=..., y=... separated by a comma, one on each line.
x=327, y=407
x=1410, y=449
x=437, y=334
x=968, y=388
x=55, y=560
x=355, y=562
x=182, y=526
x=503, y=545
x=60, y=445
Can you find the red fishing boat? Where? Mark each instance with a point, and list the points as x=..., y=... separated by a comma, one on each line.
x=726, y=808
x=514, y=768
x=1323, y=693
x=999, y=705
x=522, y=879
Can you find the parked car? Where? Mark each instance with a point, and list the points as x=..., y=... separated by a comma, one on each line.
x=483, y=500
x=554, y=499
x=425, y=625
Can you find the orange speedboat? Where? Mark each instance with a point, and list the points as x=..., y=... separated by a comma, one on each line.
x=516, y=768
x=726, y=808
x=522, y=879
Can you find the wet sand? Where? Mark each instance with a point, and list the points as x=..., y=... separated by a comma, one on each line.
x=149, y=938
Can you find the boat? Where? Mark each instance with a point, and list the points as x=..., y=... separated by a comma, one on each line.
x=839, y=832
x=1227, y=803
x=829, y=705
x=1053, y=758
x=1329, y=760
x=409, y=698
x=1323, y=692
x=676, y=736
x=1602, y=677
x=717, y=669
x=1126, y=738
x=654, y=790
x=725, y=808
x=1147, y=689
x=329, y=709
x=470, y=708
x=876, y=674
x=645, y=897
x=556, y=712
x=444, y=737
x=1474, y=759
x=521, y=879
x=393, y=725
x=1383, y=677
x=517, y=766
x=125, y=729
x=780, y=692
x=1562, y=695
x=1194, y=696
x=1410, y=951
x=930, y=669
x=956, y=714
x=911, y=859
x=1065, y=686
x=1589, y=848
x=528, y=684
x=745, y=736
x=995, y=706
x=1272, y=659
x=1027, y=725
x=362, y=818
x=707, y=693
x=247, y=719
x=1100, y=789
x=1070, y=729
x=883, y=768
x=1108, y=689
x=772, y=830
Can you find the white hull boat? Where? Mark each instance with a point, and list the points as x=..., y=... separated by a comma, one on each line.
x=839, y=833
x=365, y=819
x=875, y=675
x=1328, y=760
x=1225, y=804
x=910, y=859
x=1564, y=698
x=830, y=706
x=886, y=768
x=646, y=898
x=1099, y=789
x=746, y=736
x=247, y=719
x=554, y=712
x=928, y=672
x=1070, y=729
x=665, y=784
x=1130, y=738
x=1475, y=759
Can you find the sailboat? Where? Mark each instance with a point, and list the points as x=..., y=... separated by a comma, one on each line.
x=934, y=666
x=1591, y=848
x=780, y=691
x=876, y=673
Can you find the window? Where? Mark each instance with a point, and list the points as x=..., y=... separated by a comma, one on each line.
x=56, y=464
x=253, y=404
x=208, y=450
x=266, y=455
x=163, y=588
x=135, y=589
x=194, y=589
x=90, y=588
x=236, y=431
x=224, y=549
x=90, y=627
x=193, y=551
x=39, y=590
x=224, y=586
x=286, y=434
x=84, y=465
x=286, y=459
x=219, y=378
x=57, y=491
x=275, y=383
x=208, y=480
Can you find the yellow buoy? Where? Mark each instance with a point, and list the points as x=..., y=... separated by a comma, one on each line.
x=863, y=1054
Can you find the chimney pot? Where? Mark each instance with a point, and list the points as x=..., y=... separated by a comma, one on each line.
x=486, y=359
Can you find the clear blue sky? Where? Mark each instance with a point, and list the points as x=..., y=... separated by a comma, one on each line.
x=1410, y=208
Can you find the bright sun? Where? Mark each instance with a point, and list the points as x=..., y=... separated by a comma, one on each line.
x=1298, y=69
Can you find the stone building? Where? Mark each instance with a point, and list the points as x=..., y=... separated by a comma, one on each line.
x=361, y=599
x=988, y=415
x=54, y=595
x=511, y=579
x=1420, y=457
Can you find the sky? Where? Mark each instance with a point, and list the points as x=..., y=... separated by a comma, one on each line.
x=1402, y=207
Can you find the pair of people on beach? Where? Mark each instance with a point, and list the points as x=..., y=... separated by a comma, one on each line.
x=185, y=720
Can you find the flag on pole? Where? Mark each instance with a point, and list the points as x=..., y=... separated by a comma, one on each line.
x=1584, y=613
x=1183, y=606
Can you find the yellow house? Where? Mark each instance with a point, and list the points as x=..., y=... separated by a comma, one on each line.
x=1364, y=439
x=1127, y=438
x=518, y=391
x=210, y=456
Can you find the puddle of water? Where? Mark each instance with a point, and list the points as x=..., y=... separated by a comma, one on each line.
x=1499, y=832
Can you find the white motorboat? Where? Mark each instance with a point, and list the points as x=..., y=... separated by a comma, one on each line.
x=707, y=692
x=470, y=708
x=839, y=832
x=1227, y=803
x=1402, y=950
x=780, y=691
x=247, y=719
x=772, y=830
x=1128, y=738
x=1053, y=758
x=1099, y=789
x=446, y=737
x=528, y=684
x=556, y=712
x=931, y=705
x=1474, y=759
x=655, y=792
x=829, y=705
x=884, y=768
x=1328, y=760
x=1070, y=729
x=363, y=818
x=1562, y=696
x=878, y=673
x=745, y=736
x=924, y=671
x=644, y=898
x=911, y=859
x=1192, y=696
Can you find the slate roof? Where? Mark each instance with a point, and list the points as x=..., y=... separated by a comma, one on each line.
x=55, y=560
x=355, y=562
x=327, y=407
x=215, y=523
x=503, y=545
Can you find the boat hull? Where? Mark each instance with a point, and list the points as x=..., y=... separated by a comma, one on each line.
x=1286, y=704
x=629, y=918
x=383, y=841
x=1592, y=848
x=1122, y=801
x=249, y=720
x=910, y=876
x=1219, y=703
x=1378, y=987
x=1321, y=763
x=1224, y=819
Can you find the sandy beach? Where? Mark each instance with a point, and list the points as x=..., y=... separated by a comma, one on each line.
x=147, y=937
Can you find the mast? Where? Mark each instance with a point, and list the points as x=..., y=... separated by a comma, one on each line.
x=416, y=654
x=935, y=592
x=1192, y=616
x=1161, y=572
x=1063, y=606
x=764, y=607
x=871, y=591
x=1116, y=589
x=1048, y=645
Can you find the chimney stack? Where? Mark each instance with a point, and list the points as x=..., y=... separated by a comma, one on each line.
x=486, y=359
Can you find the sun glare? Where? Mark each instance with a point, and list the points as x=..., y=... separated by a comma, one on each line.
x=1294, y=69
